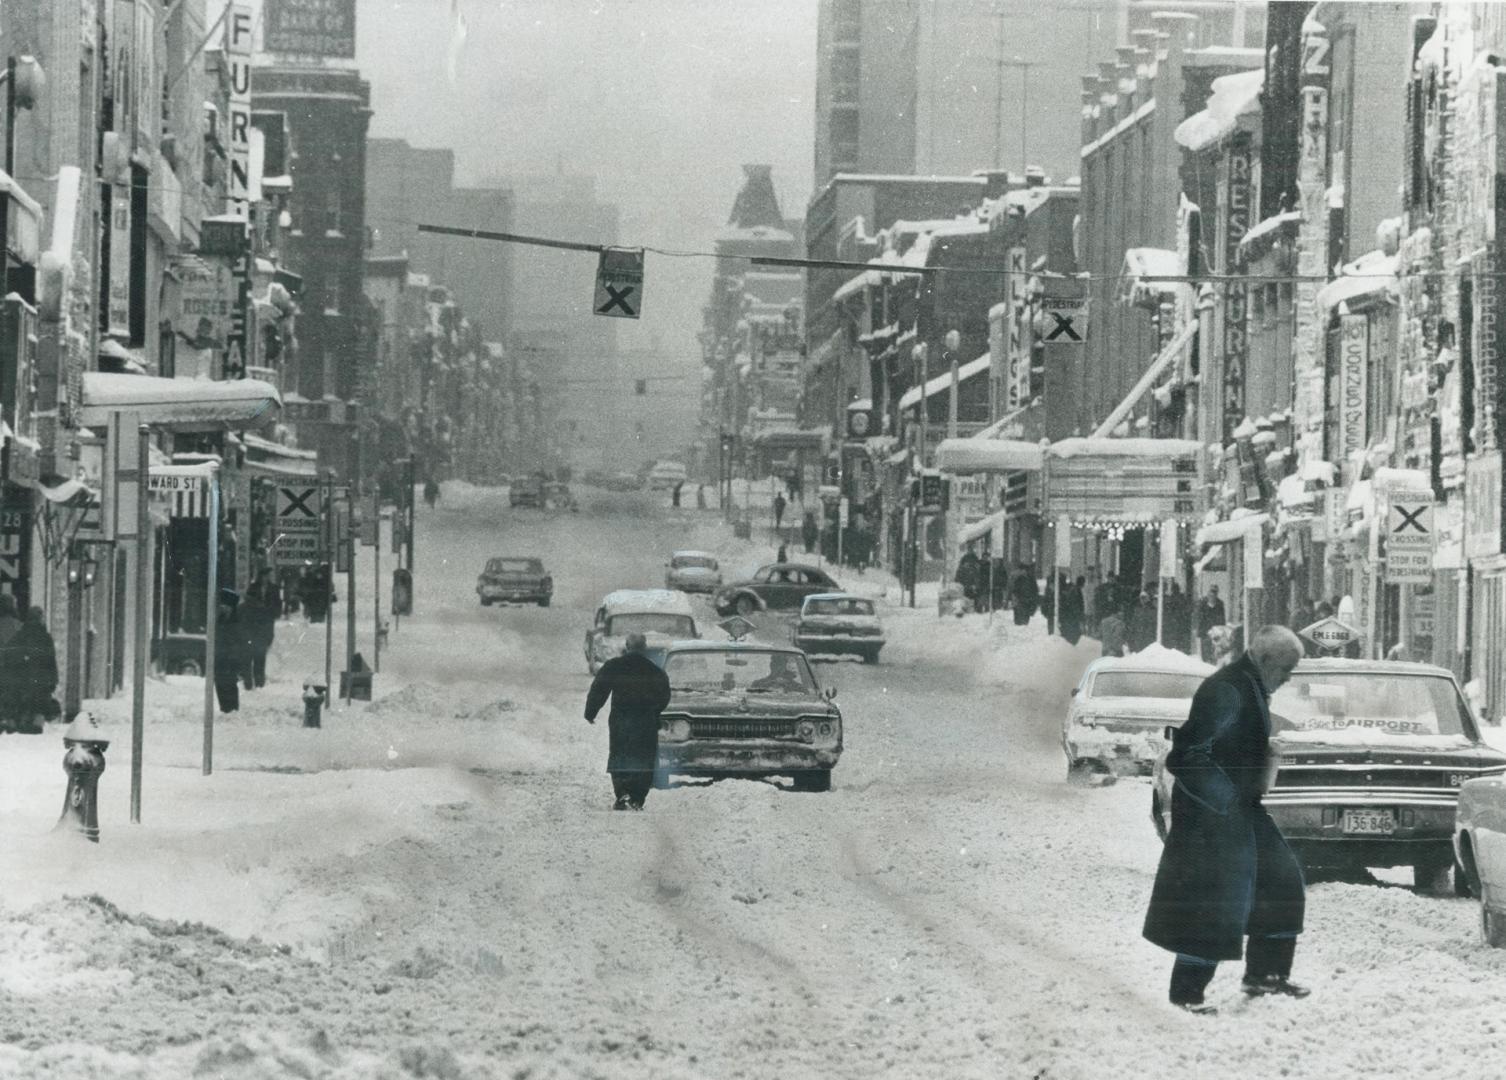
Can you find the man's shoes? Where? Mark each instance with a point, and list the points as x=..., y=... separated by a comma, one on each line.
x=1197, y=1008
x=1261, y=985
x=635, y=806
x=621, y=803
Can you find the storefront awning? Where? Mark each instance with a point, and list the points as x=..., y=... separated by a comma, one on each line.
x=981, y=528
x=179, y=404
x=781, y=438
x=1231, y=529
x=25, y=237
x=911, y=397
x=965, y=456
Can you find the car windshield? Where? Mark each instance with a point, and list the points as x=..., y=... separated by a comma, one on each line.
x=842, y=606
x=651, y=622
x=748, y=670
x=1368, y=702
x=514, y=566
x=705, y=562
x=1145, y=684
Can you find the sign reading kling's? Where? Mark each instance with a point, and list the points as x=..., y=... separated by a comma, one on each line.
x=310, y=27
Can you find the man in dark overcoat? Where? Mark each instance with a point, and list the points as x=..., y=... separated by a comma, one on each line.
x=639, y=690
x=1226, y=873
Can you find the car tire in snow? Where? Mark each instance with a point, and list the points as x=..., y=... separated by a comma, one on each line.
x=485, y=602
x=544, y=602
x=746, y=605
x=871, y=656
x=813, y=780
x=1431, y=876
x=1492, y=926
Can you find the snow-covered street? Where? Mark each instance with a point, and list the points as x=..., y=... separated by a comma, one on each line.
x=433, y=886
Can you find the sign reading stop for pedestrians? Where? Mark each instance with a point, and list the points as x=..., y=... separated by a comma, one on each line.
x=619, y=283
x=1330, y=634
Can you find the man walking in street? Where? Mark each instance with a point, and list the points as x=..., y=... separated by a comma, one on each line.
x=230, y=649
x=779, y=505
x=263, y=603
x=639, y=690
x=809, y=531
x=1210, y=613
x=1226, y=873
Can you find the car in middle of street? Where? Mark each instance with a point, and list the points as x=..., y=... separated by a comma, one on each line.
x=775, y=587
x=508, y=579
x=839, y=624
x=1372, y=757
x=660, y=615
x=693, y=571
x=1121, y=708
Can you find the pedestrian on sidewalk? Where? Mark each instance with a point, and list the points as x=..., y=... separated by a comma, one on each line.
x=230, y=648
x=783, y=555
x=1210, y=613
x=263, y=603
x=779, y=505
x=674, y=495
x=1226, y=872
x=639, y=690
x=31, y=659
x=1142, y=623
x=809, y=531
x=1072, y=610
x=1111, y=634
x=1025, y=593
x=967, y=576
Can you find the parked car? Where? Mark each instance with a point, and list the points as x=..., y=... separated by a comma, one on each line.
x=665, y=475
x=693, y=571
x=526, y=491
x=839, y=623
x=509, y=579
x=1372, y=757
x=622, y=481
x=660, y=615
x=778, y=586
x=747, y=709
x=1480, y=851
x=1121, y=707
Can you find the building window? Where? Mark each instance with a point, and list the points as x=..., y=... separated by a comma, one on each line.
x=332, y=212
x=844, y=140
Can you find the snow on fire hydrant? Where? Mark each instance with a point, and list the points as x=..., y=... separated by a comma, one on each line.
x=83, y=761
x=313, y=701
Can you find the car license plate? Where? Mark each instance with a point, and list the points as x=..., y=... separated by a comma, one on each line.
x=1370, y=822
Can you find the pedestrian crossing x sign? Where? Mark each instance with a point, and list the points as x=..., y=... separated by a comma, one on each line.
x=619, y=283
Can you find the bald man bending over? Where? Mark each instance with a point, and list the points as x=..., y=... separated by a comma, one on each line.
x=1226, y=873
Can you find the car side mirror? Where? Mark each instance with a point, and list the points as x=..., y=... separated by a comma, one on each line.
x=1170, y=731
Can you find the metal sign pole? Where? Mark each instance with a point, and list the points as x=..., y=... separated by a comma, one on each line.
x=212, y=617
x=143, y=612
x=326, y=574
x=347, y=518
x=376, y=588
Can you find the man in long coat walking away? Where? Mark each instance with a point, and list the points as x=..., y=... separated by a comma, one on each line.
x=639, y=690
x=1226, y=872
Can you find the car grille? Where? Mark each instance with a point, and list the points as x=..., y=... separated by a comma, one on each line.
x=737, y=727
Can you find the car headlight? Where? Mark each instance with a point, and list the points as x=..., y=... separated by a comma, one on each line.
x=807, y=731
x=826, y=730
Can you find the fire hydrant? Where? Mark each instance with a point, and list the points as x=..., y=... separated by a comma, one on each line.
x=84, y=762
x=313, y=701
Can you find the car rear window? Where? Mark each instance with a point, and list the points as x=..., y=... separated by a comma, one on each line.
x=1145, y=684
x=514, y=566
x=651, y=622
x=680, y=562
x=844, y=606
x=1325, y=702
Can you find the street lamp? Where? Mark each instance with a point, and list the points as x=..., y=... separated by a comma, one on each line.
x=952, y=342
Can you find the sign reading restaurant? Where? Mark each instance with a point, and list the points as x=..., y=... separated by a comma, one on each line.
x=311, y=27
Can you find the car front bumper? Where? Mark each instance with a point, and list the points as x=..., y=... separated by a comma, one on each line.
x=753, y=757
x=837, y=643
x=690, y=584
x=503, y=594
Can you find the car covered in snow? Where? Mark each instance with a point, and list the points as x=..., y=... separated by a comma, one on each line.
x=526, y=491
x=1121, y=707
x=777, y=586
x=839, y=623
x=1371, y=758
x=693, y=571
x=660, y=615
x=665, y=475
x=515, y=579
x=747, y=709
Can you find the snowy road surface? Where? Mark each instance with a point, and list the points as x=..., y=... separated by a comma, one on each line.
x=433, y=885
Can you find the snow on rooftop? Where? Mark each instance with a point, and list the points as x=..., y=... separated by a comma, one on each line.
x=1371, y=274
x=1233, y=96
x=1270, y=225
x=1070, y=448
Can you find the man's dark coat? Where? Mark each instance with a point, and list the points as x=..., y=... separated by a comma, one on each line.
x=1225, y=871
x=639, y=690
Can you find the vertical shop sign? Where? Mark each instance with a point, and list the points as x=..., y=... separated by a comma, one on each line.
x=1488, y=344
x=1019, y=351
x=1236, y=293
x=119, y=312
x=1354, y=361
x=1482, y=506
x=15, y=545
x=1312, y=255
x=238, y=37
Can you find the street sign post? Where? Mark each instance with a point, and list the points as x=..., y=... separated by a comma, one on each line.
x=619, y=283
x=295, y=537
x=1409, y=541
x=1330, y=634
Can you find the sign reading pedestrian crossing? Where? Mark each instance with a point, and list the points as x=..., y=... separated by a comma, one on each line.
x=296, y=531
x=1409, y=524
x=1064, y=320
x=619, y=283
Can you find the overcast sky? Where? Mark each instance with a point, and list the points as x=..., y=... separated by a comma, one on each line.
x=661, y=100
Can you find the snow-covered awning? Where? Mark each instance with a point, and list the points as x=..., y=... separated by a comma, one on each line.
x=1231, y=529
x=25, y=230
x=936, y=385
x=179, y=404
x=1268, y=226
x=1233, y=96
x=979, y=529
x=965, y=456
x=1371, y=275
x=1103, y=447
x=1146, y=273
x=1403, y=481
x=1292, y=493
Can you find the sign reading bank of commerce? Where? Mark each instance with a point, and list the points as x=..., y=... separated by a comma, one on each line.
x=310, y=27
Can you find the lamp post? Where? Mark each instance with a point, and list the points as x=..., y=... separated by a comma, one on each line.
x=24, y=80
x=953, y=342
x=918, y=355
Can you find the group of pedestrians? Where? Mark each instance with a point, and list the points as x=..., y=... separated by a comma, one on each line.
x=28, y=669
x=244, y=632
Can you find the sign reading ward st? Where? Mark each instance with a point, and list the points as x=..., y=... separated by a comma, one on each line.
x=619, y=283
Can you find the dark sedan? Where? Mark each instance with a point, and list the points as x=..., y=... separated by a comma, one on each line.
x=776, y=587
